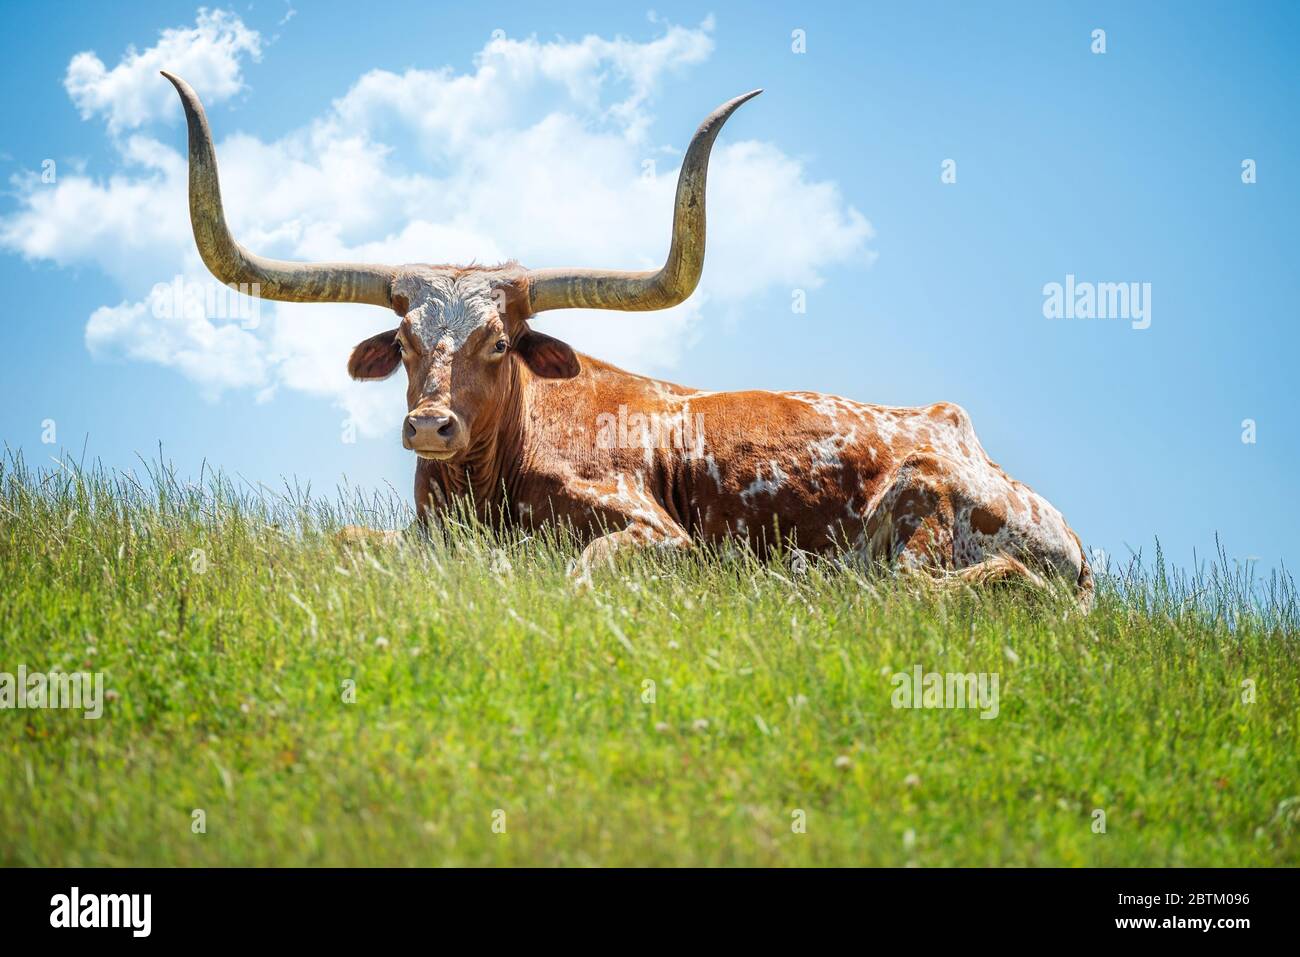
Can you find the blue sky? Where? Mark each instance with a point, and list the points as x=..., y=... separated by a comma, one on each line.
x=412, y=133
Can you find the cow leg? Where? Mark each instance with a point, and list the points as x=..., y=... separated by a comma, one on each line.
x=921, y=524
x=931, y=521
x=629, y=507
x=998, y=570
x=911, y=525
x=601, y=551
x=428, y=499
x=361, y=535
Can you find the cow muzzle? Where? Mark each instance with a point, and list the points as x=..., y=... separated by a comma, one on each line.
x=434, y=434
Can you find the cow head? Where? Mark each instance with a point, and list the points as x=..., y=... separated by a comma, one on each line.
x=460, y=332
x=463, y=332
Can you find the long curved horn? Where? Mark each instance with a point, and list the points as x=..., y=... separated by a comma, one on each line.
x=653, y=289
x=231, y=263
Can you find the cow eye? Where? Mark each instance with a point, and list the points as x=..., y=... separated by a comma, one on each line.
x=501, y=346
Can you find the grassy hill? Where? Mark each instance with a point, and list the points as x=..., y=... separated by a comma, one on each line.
x=462, y=703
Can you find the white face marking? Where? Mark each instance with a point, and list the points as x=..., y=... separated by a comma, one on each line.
x=446, y=310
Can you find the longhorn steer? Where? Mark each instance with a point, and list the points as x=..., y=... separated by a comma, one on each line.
x=538, y=433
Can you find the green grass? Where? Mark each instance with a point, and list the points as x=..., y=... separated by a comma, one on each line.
x=484, y=681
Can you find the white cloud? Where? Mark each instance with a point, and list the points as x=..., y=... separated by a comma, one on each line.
x=129, y=95
x=513, y=78
x=215, y=356
x=536, y=154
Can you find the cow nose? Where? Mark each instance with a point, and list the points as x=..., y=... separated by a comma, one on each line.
x=431, y=432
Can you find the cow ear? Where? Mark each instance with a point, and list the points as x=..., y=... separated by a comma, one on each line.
x=546, y=356
x=375, y=358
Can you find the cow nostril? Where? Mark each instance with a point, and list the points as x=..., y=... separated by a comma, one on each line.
x=447, y=429
x=410, y=429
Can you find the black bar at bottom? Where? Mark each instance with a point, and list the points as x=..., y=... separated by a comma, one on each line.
x=340, y=906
